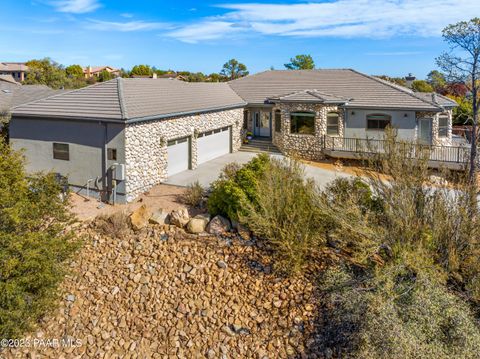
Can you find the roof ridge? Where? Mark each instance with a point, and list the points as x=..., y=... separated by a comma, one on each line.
x=396, y=88
x=123, y=107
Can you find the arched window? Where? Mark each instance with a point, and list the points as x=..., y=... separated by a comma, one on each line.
x=333, y=124
x=302, y=123
x=378, y=121
x=278, y=121
x=443, y=125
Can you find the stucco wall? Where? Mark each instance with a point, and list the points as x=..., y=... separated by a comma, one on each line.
x=86, y=147
x=436, y=140
x=146, y=144
x=403, y=121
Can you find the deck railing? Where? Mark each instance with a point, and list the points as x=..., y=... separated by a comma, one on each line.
x=450, y=154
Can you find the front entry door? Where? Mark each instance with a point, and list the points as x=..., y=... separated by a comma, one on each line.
x=262, y=122
x=425, y=131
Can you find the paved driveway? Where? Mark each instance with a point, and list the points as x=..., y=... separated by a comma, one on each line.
x=208, y=172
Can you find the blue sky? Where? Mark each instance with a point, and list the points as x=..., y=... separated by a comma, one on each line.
x=377, y=37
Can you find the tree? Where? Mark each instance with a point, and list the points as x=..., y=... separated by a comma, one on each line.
x=46, y=72
x=462, y=64
x=141, y=70
x=396, y=80
x=421, y=86
x=105, y=76
x=437, y=80
x=301, y=62
x=35, y=242
x=74, y=71
x=233, y=69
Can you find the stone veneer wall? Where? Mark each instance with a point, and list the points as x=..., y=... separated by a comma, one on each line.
x=305, y=146
x=146, y=144
x=439, y=141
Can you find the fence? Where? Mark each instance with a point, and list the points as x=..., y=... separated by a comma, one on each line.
x=448, y=154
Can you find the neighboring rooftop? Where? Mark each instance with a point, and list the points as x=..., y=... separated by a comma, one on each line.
x=9, y=79
x=13, y=66
x=362, y=90
x=134, y=99
x=14, y=94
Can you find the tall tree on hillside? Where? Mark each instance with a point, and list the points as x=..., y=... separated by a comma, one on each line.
x=46, y=72
x=301, y=62
x=437, y=80
x=141, y=70
x=462, y=64
x=233, y=69
x=74, y=71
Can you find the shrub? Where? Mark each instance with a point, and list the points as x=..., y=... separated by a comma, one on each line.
x=115, y=225
x=194, y=195
x=34, y=244
x=285, y=213
x=236, y=186
x=400, y=313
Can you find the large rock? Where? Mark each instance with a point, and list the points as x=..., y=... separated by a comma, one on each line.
x=139, y=218
x=197, y=224
x=160, y=217
x=179, y=217
x=218, y=225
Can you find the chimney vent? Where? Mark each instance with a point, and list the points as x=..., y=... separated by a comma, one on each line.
x=410, y=78
x=154, y=76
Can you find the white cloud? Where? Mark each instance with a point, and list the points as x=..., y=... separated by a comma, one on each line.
x=125, y=26
x=337, y=18
x=76, y=6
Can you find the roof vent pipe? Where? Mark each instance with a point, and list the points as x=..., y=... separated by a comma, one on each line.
x=154, y=75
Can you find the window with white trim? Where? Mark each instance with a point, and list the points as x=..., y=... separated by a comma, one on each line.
x=333, y=124
x=443, y=125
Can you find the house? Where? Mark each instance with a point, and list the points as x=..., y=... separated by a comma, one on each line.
x=17, y=70
x=90, y=71
x=16, y=94
x=121, y=137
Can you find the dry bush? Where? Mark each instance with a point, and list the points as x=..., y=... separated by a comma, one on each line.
x=115, y=225
x=286, y=215
x=194, y=195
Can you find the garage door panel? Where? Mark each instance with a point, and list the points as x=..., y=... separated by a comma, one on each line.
x=178, y=152
x=213, y=144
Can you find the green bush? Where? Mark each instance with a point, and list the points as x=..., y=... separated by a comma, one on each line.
x=399, y=313
x=285, y=213
x=34, y=243
x=235, y=187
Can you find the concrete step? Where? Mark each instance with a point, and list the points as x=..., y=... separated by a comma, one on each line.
x=259, y=147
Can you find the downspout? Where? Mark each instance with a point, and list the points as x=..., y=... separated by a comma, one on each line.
x=105, y=159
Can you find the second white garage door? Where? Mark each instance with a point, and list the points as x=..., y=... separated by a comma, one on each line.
x=213, y=144
x=178, y=155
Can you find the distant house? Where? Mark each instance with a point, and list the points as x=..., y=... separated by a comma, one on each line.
x=123, y=136
x=91, y=71
x=16, y=69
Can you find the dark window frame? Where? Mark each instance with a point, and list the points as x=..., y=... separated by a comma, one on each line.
x=60, y=153
x=278, y=121
x=337, y=125
x=443, y=130
x=299, y=116
x=380, y=123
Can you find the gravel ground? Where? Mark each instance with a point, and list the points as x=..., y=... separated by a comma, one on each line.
x=161, y=293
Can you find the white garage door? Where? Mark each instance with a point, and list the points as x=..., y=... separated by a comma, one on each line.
x=178, y=155
x=213, y=144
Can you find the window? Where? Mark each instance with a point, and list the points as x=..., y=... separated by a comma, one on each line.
x=61, y=151
x=333, y=125
x=245, y=120
x=278, y=121
x=112, y=154
x=302, y=123
x=443, y=126
x=378, y=121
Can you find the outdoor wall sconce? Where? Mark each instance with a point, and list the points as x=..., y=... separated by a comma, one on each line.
x=405, y=115
x=353, y=112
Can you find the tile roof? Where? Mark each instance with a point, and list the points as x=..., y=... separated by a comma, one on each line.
x=435, y=97
x=363, y=91
x=9, y=78
x=134, y=99
x=13, y=66
x=12, y=95
x=309, y=96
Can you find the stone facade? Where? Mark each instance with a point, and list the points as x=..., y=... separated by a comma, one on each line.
x=146, y=144
x=436, y=140
x=302, y=145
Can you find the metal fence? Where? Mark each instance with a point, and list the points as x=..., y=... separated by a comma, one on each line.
x=450, y=154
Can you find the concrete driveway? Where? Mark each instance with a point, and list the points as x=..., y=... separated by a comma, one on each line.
x=208, y=172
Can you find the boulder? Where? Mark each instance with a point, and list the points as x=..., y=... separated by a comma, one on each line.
x=197, y=224
x=179, y=217
x=139, y=218
x=160, y=217
x=218, y=225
